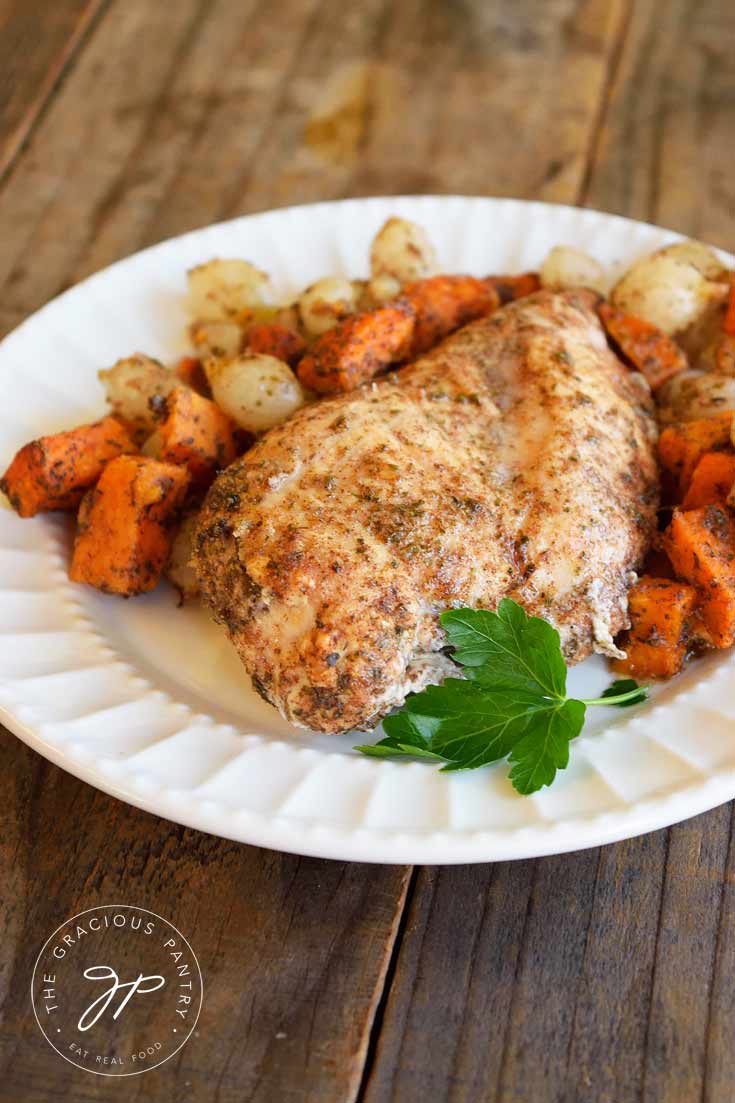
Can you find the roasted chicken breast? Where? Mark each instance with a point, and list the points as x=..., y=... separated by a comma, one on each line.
x=516, y=459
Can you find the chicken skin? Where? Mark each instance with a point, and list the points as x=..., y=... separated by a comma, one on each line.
x=517, y=459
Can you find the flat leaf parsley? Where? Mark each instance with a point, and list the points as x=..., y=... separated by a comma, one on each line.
x=511, y=703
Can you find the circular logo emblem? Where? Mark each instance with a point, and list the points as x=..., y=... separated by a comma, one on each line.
x=116, y=990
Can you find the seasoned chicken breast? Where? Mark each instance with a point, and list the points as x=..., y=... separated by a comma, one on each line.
x=516, y=459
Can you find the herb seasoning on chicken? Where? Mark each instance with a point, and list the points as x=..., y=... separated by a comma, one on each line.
x=516, y=459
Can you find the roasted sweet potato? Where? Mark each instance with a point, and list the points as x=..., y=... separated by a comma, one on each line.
x=659, y=611
x=643, y=345
x=356, y=349
x=444, y=303
x=712, y=481
x=190, y=371
x=701, y=546
x=510, y=288
x=700, y=637
x=650, y=660
x=276, y=340
x=54, y=472
x=126, y=525
x=194, y=432
x=682, y=445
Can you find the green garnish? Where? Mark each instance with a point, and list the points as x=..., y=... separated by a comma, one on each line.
x=512, y=702
x=625, y=688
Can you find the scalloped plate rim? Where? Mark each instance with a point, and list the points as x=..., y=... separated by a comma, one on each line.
x=389, y=847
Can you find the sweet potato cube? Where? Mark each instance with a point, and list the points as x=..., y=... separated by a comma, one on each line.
x=190, y=371
x=701, y=546
x=126, y=525
x=356, y=349
x=511, y=288
x=649, y=660
x=659, y=610
x=277, y=340
x=712, y=481
x=681, y=446
x=700, y=637
x=54, y=472
x=444, y=303
x=194, y=431
x=651, y=352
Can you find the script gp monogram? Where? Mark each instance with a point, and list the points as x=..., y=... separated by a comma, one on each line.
x=106, y=972
x=116, y=990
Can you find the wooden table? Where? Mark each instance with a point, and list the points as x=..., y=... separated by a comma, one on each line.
x=604, y=975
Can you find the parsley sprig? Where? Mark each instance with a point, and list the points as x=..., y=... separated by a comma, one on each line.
x=511, y=703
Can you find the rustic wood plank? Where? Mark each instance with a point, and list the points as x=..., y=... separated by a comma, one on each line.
x=191, y=92
x=665, y=150
x=32, y=63
x=688, y=930
x=463, y=106
x=107, y=110
x=720, y=1053
x=446, y=108
x=642, y=1014
x=581, y=978
x=212, y=106
x=292, y=950
x=505, y=944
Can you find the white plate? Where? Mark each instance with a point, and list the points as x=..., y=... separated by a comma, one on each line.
x=148, y=701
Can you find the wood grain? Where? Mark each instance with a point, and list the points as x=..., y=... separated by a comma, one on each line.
x=664, y=153
x=601, y=976
x=38, y=41
x=206, y=110
x=293, y=951
x=583, y=978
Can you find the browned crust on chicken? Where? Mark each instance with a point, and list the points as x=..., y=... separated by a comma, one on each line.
x=516, y=459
